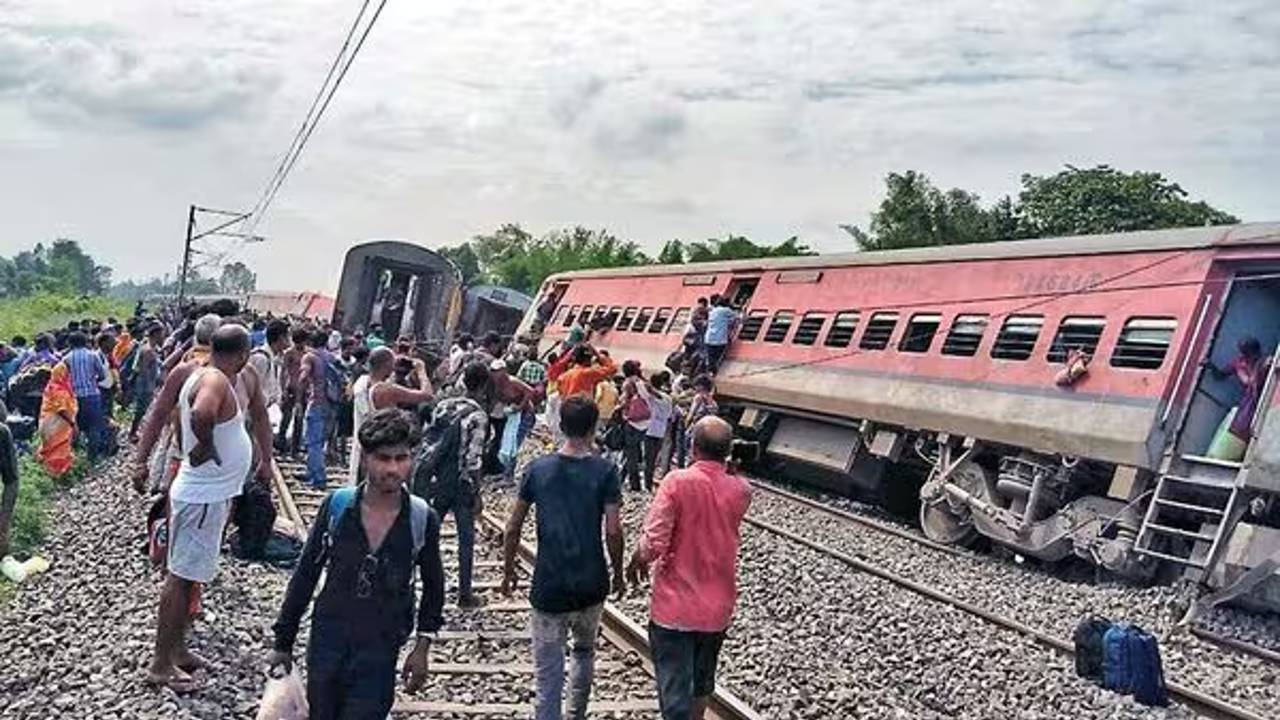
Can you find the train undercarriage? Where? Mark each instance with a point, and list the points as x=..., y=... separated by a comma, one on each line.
x=1037, y=505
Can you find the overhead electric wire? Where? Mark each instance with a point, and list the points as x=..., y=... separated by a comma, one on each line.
x=313, y=114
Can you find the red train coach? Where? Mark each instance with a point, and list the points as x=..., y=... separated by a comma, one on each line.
x=952, y=357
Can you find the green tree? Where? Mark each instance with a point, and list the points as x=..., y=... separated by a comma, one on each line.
x=62, y=267
x=672, y=253
x=575, y=248
x=915, y=213
x=737, y=247
x=237, y=279
x=465, y=259
x=1102, y=199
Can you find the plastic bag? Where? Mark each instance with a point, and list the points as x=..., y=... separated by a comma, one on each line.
x=284, y=699
x=510, y=439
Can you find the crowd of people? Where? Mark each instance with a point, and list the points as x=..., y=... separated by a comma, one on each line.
x=215, y=391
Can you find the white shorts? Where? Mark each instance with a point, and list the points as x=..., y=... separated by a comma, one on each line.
x=195, y=538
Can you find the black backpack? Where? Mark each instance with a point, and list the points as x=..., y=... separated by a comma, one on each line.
x=435, y=469
x=254, y=515
x=1088, y=645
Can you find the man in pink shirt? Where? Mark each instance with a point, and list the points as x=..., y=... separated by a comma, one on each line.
x=691, y=538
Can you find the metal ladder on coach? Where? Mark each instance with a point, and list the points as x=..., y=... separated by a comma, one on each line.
x=1191, y=509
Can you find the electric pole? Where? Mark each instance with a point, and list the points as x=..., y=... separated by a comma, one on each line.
x=220, y=229
x=186, y=255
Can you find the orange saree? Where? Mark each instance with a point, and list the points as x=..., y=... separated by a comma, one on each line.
x=57, y=422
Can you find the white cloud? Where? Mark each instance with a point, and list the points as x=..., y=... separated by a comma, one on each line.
x=655, y=118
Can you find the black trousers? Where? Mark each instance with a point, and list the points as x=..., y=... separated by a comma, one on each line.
x=632, y=454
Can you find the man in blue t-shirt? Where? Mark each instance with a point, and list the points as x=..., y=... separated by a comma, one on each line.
x=721, y=322
x=575, y=491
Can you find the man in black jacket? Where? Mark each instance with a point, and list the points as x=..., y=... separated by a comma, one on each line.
x=9, y=478
x=364, y=613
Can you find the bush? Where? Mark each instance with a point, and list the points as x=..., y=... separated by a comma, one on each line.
x=36, y=489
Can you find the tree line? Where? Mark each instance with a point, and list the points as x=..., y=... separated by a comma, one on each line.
x=913, y=213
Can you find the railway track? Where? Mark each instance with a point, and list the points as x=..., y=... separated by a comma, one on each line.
x=1200, y=702
x=480, y=665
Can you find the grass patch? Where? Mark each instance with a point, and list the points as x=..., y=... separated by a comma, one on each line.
x=28, y=316
x=36, y=490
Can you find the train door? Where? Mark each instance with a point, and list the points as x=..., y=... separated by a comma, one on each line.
x=740, y=291
x=1230, y=383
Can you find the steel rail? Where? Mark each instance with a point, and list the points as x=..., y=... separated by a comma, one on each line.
x=1199, y=702
x=630, y=635
x=1224, y=643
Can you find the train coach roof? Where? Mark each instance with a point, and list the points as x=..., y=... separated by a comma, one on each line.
x=1129, y=242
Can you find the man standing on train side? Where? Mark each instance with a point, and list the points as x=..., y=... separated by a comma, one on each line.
x=722, y=319
x=691, y=536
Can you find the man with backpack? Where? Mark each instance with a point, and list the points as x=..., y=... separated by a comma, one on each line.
x=324, y=385
x=370, y=539
x=450, y=466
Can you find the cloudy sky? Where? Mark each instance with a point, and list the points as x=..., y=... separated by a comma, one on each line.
x=654, y=118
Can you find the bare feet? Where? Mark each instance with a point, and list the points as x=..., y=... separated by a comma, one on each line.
x=173, y=678
x=190, y=662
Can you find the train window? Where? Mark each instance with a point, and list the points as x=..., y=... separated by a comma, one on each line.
x=751, y=326
x=1143, y=343
x=920, y=331
x=602, y=312
x=560, y=313
x=778, y=328
x=660, y=321
x=809, y=328
x=642, y=320
x=965, y=335
x=1017, y=337
x=571, y=316
x=627, y=316
x=842, y=329
x=680, y=321
x=879, y=330
x=584, y=319
x=611, y=317
x=1076, y=333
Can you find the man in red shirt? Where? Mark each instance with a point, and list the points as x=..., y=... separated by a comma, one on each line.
x=695, y=566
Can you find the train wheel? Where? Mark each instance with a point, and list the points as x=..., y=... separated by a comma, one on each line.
x=941, y=521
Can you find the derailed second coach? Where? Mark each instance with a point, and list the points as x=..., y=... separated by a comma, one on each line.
x=952, y=360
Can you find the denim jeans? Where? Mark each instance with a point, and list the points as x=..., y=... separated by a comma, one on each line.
x=319, y=417
x=549, y=635
x=633, y=454
x=92, y=423
x=463, y=516
x=348, y=680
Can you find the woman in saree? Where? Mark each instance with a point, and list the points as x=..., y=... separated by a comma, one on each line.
x=58, y=422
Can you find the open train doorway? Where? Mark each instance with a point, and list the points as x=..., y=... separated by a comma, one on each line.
x=1230, y=382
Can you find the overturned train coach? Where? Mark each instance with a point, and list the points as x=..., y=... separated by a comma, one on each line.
x=1056, y=394
x=407, y=289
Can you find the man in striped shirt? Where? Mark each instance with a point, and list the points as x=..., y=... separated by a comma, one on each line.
x=87, y=371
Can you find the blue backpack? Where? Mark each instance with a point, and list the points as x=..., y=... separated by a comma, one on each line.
x=335, y=381
x=342, y=499
x=1131, y=664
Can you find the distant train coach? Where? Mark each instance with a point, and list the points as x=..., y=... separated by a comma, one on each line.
x=406, y=289
x=1100, y=396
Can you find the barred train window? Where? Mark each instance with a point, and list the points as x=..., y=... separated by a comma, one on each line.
x=611, y=318
x=680, y=321
x=570, y=316
x=965, y=335
x=777, y=331
x=842, y=329
x=602, y=312
x=809, y=328
x=920, y=331
x=642, y=320
x=751, y=326
x=1017, y=337
x=660, y=321
x=560, y=313
x=879, y=330
x=1080, y=333
x=1143, y=343
x=627, y=315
